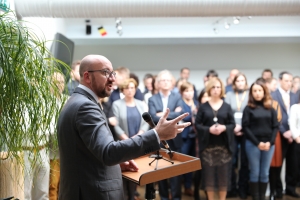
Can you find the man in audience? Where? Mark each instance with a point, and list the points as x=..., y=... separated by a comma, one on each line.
x=266, y=74
x=296, y=84
x=286, y=99
x=123, y=73
x=148, y=78
x=211, y=74
x=158, y=103
x=232, y=74
x=75, y=77
x=271, y=83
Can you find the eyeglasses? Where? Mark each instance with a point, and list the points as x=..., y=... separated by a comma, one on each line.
x=106, y=72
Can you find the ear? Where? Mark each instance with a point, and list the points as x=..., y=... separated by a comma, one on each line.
x=87, y=77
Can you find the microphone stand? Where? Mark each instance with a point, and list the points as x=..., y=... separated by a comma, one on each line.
x=150, y=191
x=157, y=157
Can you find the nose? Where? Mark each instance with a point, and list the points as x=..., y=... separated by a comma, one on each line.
x=112, y=78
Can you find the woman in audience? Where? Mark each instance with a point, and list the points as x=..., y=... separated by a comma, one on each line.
x=128, y=112
x=189, y=134
x=215, y=124
x=202, y=98
x=153, y=91
x=260, y=126
x=238, y=99
x=276, y=163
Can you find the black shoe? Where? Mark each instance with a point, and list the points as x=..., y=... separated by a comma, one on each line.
x=243, y=195
x=231, y=194
x=278, y=195
x=272, y=197
x=293, y=194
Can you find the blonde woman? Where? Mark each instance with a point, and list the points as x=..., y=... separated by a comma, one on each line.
x=215, y=124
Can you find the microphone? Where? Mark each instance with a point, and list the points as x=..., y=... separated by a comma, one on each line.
x=147, y=117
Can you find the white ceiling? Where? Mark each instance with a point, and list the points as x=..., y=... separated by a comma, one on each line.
x=187, y=30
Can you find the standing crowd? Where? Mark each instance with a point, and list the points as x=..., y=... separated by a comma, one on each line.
x=241, y=132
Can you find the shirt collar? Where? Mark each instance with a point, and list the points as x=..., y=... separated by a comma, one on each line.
x=283, y=92
x=89, y=91
x=162, y=95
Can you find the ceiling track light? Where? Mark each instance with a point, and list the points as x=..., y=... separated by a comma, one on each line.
x=119, y=26
x=226, y=25
x=236, y=20
x=216, y=31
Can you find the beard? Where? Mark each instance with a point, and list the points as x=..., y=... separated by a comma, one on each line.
x=100, y=92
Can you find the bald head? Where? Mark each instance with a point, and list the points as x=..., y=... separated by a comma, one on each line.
x=92, y=62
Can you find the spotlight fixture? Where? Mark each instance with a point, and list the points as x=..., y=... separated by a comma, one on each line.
x=119, y=26
x=88, y=27
x=226, y=25
x=236, y=20
x=216, y=30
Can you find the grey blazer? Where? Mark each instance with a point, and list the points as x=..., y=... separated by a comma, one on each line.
x=120, y=112
x=89, y=156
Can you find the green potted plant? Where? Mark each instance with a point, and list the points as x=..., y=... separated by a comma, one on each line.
x=28, y=96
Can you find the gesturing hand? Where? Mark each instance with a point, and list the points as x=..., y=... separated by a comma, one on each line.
x=167, y=130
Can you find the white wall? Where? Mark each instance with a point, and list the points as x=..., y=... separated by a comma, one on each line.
x=251, y=59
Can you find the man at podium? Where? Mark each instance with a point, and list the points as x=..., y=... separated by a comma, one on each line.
x=89, y=155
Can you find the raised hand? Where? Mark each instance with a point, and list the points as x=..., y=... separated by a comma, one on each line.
x=167, y=130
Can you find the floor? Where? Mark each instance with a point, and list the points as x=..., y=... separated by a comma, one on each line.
x=141, y=190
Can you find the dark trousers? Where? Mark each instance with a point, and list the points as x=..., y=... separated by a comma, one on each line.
x=239, y=143
x=290, y=153
x=188, y=148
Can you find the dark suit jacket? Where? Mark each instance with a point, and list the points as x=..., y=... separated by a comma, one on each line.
x=89, y=156
x=115, y=95
x=155, y=105
x=284, y=126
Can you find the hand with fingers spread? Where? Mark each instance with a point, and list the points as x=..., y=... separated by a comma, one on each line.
x=167, y=130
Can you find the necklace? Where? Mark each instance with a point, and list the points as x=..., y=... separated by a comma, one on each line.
x=215, y=119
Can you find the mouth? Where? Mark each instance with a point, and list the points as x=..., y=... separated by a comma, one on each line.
x=110, y=86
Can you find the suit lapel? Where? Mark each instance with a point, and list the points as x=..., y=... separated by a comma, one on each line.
x=170, y=101
x=89, y=96
x=160, y=104
x=85, y=93
x=292, y=99
x=280, y=101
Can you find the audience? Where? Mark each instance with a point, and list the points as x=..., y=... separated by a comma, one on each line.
x=225, y=132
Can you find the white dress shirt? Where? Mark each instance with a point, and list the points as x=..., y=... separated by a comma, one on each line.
x=294, y=120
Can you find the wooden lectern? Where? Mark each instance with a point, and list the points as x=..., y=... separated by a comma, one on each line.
x=147, y=174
